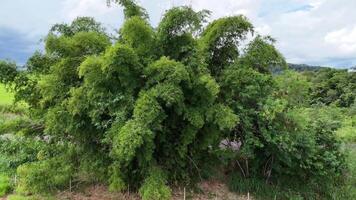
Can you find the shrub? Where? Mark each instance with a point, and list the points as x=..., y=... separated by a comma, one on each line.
x=303, y=152
x=333, y=87
x=5, y=185
x=92, y=168
x=18, y=150
x=347, y=132
x=43, y=176
x=154, y=186
x=15, y=125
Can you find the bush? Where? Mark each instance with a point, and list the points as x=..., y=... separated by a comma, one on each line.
x=5, y=185
x=17, y=109
x=18, y=150
x=92, y=168
x=43, y=176
x=333, y=87
x=15, y=125
x=154, y=186
x=347, y=132
x=303, y=152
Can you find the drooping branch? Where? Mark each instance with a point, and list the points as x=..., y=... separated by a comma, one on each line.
x=131, y=8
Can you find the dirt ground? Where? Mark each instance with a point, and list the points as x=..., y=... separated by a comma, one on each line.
x=213, y=190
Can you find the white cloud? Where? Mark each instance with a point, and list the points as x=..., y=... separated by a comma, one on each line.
x=264, y=29
x=110, y=16
x=343, y=39
x=75, y=8
x=304, y=29
x=308, y=36
x=316, y=3
x=227, y=7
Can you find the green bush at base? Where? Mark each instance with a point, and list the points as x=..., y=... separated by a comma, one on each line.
x=5, y=185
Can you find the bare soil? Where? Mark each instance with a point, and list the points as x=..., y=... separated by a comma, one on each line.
x=210, y=190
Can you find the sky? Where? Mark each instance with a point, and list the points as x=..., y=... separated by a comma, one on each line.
x=314, y=32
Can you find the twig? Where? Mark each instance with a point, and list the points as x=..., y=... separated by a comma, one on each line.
x=270, y=170
x=247, y=170
x=195, y=167
x=266, y=166
x=70, y=185
x=242, y=170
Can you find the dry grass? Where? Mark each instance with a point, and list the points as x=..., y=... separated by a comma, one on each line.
x=213, y=190
x=96, y=193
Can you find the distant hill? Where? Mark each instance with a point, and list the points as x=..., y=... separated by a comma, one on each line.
x=299, y=68
x=304, y=67
x=352, y=69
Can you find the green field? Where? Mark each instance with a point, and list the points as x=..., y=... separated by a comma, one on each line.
x=6, y=98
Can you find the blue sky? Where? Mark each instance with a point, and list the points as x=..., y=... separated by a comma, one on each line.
x=316, y=32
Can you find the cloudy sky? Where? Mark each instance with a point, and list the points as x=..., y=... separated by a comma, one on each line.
x=316, y=32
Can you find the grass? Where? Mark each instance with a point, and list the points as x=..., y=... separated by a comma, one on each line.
x=350, y=186
x=6, y=98
x=21, y=197
x=348, y=130
x=4, y=185
x=8, y=110
x=262, y=191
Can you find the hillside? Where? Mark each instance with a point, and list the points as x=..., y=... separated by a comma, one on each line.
x=305, y=67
